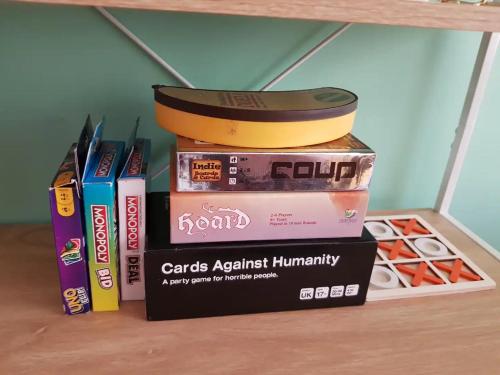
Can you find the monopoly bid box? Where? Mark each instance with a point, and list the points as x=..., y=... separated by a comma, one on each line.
x=132, y=218
x=99, y=190
x=209, y=279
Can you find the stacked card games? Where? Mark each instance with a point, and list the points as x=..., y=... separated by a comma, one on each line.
x=103, y=162
x=132, y=217
x=66, y=205
x=256, y=230
x=208, y=279
x=307, y=192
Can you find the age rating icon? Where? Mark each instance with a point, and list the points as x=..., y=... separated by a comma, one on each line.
x=322, y=292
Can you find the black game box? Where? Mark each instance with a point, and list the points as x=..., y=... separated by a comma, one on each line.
x=211, y=279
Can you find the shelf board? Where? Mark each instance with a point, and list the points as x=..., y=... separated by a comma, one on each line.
x=417, y=333
x=388, y=12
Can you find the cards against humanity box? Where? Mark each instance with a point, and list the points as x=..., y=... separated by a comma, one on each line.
x=100, y=214
x=132, y=218
x=197, y=280
x=343, y=164
x=228, y=216
x=67, y=222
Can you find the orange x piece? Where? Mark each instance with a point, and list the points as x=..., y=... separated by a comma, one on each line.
x=410, y=226
x=419, y=274
x=456, y=271
x=396, y=249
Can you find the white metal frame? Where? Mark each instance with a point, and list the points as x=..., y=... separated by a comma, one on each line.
x=134, y=38
x=475, y=93
x=306, y=56
x=470, y=111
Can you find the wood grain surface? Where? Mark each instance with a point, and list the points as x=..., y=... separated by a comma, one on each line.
x=388, y=12
x=451, y=334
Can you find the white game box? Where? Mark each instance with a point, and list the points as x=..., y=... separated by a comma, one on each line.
x=132, y=218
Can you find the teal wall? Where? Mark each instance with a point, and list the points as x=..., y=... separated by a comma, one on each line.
x=59, y=63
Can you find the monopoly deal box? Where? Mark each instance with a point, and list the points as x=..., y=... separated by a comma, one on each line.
x=209, y=279
x=243, y=216
x=101, y=227
x=342, y=164
x=132, y=219
x=67, y=222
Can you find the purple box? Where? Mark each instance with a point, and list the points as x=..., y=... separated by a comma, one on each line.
x=68, y=226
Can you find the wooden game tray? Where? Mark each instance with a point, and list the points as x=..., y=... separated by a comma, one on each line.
x=419, y=261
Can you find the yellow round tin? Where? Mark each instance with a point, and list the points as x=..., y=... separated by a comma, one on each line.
x=269, y=119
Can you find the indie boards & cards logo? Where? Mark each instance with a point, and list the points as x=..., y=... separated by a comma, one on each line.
x=206, y=170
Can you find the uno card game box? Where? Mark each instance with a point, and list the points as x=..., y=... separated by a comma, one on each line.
x=343, y=164
x=211, y=279
x=67, y=221
x=242, y=216
x=132, y=218
x=100, y=213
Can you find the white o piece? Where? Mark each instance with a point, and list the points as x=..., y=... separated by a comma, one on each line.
x=431, y=247
x=383, y=278
x=379, y=229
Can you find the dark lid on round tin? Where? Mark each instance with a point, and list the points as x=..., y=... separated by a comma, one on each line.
x=262, y=106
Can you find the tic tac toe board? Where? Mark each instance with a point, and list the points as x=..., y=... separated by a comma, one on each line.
x=414, y=259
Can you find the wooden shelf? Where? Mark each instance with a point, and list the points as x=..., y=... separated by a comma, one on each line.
x=388, y=12
x=446, y=334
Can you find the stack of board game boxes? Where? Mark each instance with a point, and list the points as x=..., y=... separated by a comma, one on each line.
x=248, y=229
x=84, y=198
x=260, y=225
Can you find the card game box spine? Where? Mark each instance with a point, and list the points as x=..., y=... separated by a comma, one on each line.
x=132, y=218
x=212, y=279
x=67, y=223
x=340, y=165
x=246, y=216
x=101, y=227
x=66, y=204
